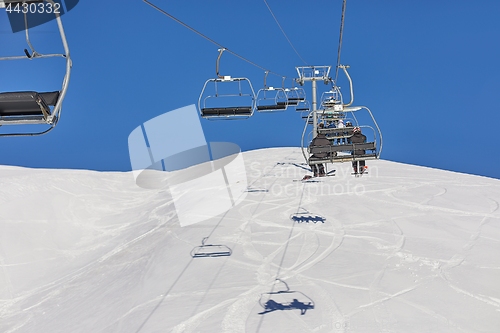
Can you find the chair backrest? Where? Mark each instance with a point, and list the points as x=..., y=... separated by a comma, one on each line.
x=27, y=103
x=345, y=147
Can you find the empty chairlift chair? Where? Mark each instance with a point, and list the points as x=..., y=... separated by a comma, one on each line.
x=303, y=106
x=225, y=97
x=34, y=107
x=295, y=95
x=271, y=99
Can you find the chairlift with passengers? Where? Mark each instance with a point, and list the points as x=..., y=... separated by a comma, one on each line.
x=34, y=107
x=332, y=99
x=331, y=105
x=271, y=99
x=226, y=97
x=342, y=152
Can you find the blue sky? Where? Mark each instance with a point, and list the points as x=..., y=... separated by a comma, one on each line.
x=428, y=70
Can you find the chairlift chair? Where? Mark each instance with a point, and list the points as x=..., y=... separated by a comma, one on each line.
x=330, y=115
x=342, y=152
x=303, y=106
x=295, y=95
x=308, y=120
x=33, y=107
x=271, y=99
x=220, y=104
x=336, y=133
x=210, y=250
x=332, y=100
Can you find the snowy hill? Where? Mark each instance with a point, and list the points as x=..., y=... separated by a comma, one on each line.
x=401, y=249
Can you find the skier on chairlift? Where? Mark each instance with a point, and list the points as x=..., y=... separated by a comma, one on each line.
x=348, y=125
x=319, y=140
x=341, y=140
x=356, y=138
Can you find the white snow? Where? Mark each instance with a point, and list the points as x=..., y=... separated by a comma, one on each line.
x=401, y=249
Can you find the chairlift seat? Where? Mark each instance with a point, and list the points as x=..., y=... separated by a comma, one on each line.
x=290, y=101
x=332, y=151
x=343, y=147
x=305, y=109
x=337, y=132
x=342, y=158
x=273, y=107
x=27, y=103
x=310, y=121
x=229, y=111
x=333, y=115
x=331, y=104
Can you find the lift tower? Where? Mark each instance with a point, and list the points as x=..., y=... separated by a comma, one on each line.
x=313, y=74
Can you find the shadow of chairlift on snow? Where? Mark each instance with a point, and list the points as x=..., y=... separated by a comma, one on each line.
x=306, y=217
x=210, y=250
x=285, y=300
x=255, y=190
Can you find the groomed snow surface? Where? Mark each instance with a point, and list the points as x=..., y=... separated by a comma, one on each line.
x=401, y=249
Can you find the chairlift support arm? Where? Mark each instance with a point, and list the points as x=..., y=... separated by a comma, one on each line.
x=265, y=79
x=221, y=50
x=345, y=67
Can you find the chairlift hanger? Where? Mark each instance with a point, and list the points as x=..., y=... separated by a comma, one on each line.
x=32, y=107
x=243, y=110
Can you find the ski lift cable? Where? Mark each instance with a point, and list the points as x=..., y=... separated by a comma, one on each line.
x=340, y=41
x=284, y=34
x=209, y=39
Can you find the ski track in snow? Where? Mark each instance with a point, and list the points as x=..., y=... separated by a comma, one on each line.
x=233, y=320
x=267, y=244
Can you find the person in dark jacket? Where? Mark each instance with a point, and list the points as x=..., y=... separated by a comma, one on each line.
x=319, y=140
x=356, y=138
x=348, y=126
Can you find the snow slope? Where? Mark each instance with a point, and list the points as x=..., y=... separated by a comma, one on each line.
x=401, y=249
